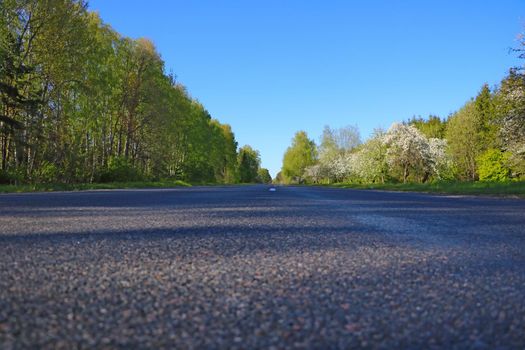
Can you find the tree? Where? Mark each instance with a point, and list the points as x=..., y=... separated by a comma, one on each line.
x=42, y=45
x=433, y=127
x=79, y=102
x=249, y=163
x=494, y=165
x=370, y=164
x=408, y=152
x=279, y=178
x=510, y=106
x=346, y=138
x=463, y=139
x=301, y=154
x=442, y=165
x=229, y=171
x=336, y=145
x=313, y=173
x=486, y=119
x=263, y=176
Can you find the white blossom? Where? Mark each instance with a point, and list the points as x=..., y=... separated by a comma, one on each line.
x=408, y=150
x=314, y=173
x=403, y=151
x=441, y=162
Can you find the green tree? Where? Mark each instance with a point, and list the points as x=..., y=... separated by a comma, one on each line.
x=301, y=154
x=494, y=165
x=433, y=127
x=249, y=164
x=486, y=119
x=264, y=176
x=279, y=178
x=510, y=107
x=228, y=168
x=42, y=44
x=463, y=138
x=80, y=102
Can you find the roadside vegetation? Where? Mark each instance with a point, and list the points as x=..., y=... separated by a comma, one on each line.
x=479, y=149
x=81, y=104
x=503, y=189
x=44, y=187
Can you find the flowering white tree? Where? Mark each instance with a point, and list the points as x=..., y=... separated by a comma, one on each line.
x=326, y=165
x=341, y=167
x=314, y=173
x=403, y=151
x=335, y=147
x=409, y=151
x=369, y=163
x=441, y=161
x=512, y=110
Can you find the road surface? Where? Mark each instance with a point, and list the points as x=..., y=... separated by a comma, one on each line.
x=243, y=267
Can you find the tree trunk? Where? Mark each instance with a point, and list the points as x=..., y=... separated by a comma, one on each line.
x=4, y=151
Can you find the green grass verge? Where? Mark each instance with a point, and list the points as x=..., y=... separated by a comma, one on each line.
x=90, y=186
x=508, y=189
x=504, y=189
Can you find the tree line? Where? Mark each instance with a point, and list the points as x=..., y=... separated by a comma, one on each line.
x=484, y=140
x=81, y=103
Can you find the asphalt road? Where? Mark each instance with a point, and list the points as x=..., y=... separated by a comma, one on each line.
x=242, y=267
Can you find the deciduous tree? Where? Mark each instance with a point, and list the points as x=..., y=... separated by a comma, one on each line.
x=301, y=154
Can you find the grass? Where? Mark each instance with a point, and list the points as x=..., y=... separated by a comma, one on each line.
x=504, y=189
x=90, y=186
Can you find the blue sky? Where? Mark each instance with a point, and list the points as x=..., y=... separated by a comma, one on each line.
x=270, y=68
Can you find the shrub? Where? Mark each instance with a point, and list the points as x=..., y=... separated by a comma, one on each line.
x=119, y=169
x=493, y=165
x=9, y=177
x=46, y=173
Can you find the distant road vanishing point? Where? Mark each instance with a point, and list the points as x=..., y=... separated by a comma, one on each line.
x=245, y=267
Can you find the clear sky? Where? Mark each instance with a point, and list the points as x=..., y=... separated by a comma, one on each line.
x=270, y=68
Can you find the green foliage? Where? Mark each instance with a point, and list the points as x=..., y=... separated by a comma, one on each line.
x=510, y=107
x=463, y=138
x=487, y=122
x=484, y=139
x=433, y=127
x=490, y=121
x=493, y=165
x=79, y=102
x=301, y=154
x=10, y=177
x=119, y=169
x=279, y=178
x=249, y=163
x=339, y=141
x=47, y=173
x=263, y=176
x=90, y=186
x=512, y=188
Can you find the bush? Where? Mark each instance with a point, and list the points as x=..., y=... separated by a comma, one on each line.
x=493, y=165
x=46, y=173
x=10, y=177
x=119, y=169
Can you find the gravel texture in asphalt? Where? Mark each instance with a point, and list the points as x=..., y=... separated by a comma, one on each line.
x=244, y=267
